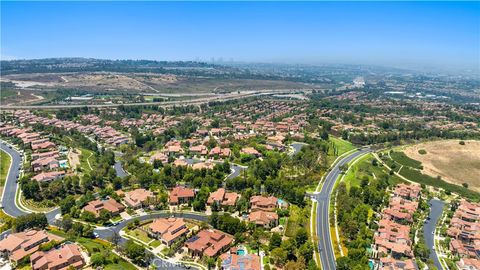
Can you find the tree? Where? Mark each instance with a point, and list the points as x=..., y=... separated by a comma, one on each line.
x=279, y=256
x=301, y=236
x=306, y=251
x=134, y=251
x=33, y=220
x=88, y=216
x=275, y=240
x=97, y=259
x=67, y=204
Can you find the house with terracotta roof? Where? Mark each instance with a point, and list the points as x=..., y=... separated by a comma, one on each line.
x=465, y=230
x=168, y=230
x=409, y=192
x=389, y=263
x=223, y=198
x=47, y=163
x=468, y=264
x=109, y=205
x=220, y=152
x=159, y=156
x=181, y=195
x=138, y=198
x=400, y=209
x=203, y=165
x=208, y=242
x=263, y=218
x=250, y=151
x=263, y=203
x=64, y=257
x=18, y=245
x=48, y=176
x=233, y=261
x=198, y=150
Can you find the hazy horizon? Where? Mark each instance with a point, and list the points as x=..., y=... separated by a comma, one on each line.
x=410, y=35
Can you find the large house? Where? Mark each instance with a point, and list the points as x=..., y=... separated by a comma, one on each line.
x=65, y=257
x=208, y=243
x=18, y=245
x=393, y=264
x=48, y=176
x=47, y=163
x=138, y=197
x=168, y=230
x=263, y=203
x=109, y=205
x=264, y=218
x=233, y=261
x=180, y=195
x=223, y=198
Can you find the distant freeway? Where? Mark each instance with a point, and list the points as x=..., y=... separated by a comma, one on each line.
x=165, y=104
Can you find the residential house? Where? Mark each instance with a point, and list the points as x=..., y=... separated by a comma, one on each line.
x=264, y=218
x=223, y=198
x=181, y=195
x=138, y=197
x=66, y=257
x=263, y=203
x=109, y=205
x=48, y=176
x=233, y=261
x=18, y=245
x=208, y=242
x=168, y=230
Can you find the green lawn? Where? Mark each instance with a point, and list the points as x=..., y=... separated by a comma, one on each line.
x=137, y=233
x=5, y=161
x=294, y=221
x=364, y=167
x=155, y=243
x=85, y=157
x=402, y=159
x=341, y=146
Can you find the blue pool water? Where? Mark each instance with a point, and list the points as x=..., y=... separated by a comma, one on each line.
x=241, y=252
x=63, y=164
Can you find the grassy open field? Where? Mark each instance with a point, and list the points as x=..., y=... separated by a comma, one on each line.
x=364, y=168
x=5, y=161
x=455, y=163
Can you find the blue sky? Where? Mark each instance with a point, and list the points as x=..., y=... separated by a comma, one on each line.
x=405, y=34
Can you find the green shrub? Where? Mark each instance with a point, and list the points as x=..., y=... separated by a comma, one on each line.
x=422, y=152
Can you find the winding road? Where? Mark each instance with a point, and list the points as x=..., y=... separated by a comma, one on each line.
x=10, y=207
x=325, y=247
x=429, y=227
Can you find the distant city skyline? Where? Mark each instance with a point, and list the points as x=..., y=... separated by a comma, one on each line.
x=414, y=35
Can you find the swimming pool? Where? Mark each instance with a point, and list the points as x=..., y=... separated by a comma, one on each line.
x=241, y=252
x=63, y=164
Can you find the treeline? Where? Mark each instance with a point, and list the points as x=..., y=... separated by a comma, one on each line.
x=356, y=225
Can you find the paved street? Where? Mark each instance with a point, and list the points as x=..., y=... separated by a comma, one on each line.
x=429, y=228
x=325, y=248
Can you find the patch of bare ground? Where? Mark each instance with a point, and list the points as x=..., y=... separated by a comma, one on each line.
x=74, y=158
x=449, y=159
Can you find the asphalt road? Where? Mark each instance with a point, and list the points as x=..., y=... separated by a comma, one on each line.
x=119, y=169
x=429, y=227
x=325, y=248
x=164, y=104
x=297, y=147
x=8, y=200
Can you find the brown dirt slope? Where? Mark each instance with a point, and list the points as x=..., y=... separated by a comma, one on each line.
x=455, y=163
